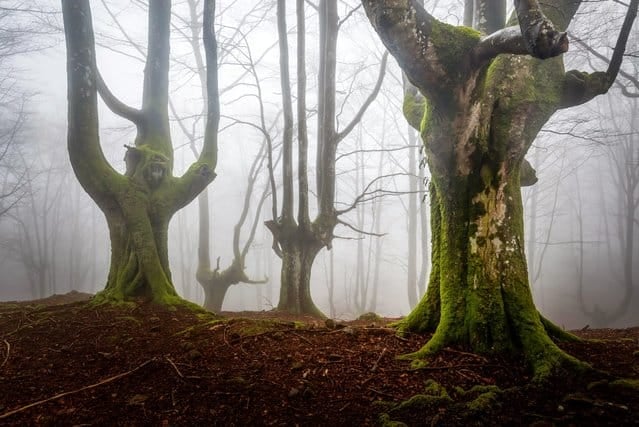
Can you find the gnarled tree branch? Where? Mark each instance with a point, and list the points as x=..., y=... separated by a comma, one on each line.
x=369, y=100
x=540, y=36
x=581, y=87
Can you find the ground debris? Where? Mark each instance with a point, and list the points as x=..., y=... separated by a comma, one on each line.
x=151, y=366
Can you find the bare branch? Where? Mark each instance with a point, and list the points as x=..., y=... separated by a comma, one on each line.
x=632, y=78
x=581, y=87
x=357, y=230
x=540, y=36
x=115, y=105
x=348, y=15
x=507, y=40
x=371, y=97
x=376, y=150
x=368, y=195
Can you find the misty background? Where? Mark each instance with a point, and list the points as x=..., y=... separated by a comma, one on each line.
x=582, y=216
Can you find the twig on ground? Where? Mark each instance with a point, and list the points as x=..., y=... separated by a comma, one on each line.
x=381, y=393
x=174, y=367
x=8, y=350
x=224, y=336
x=374, y=368
x=302, y=338
x=67, y=393
x=477, y=356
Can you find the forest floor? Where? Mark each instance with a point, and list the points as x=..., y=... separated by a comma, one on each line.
x=64, y=362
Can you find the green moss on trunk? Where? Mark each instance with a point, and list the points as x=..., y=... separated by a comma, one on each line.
x=138, y=217
x=479, y=296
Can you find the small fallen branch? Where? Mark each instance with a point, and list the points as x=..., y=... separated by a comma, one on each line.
x=463, y=353
x=174, y=367
x=67, y=393
x=8, y=350
x=374, y=368
x=302, y=338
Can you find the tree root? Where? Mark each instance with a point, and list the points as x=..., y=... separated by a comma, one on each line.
x=556, y=332
x=553, y=361
x=171, y=302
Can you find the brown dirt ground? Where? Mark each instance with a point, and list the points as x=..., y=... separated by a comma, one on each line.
x=67, y=363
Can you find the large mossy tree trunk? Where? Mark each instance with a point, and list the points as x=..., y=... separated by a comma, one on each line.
x=139, y=204
x=481, y=102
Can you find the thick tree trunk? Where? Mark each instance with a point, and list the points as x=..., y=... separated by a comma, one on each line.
x=214, y=294
x=298, y=256
x=484, y=108
x=479, y=295
x=139, y=260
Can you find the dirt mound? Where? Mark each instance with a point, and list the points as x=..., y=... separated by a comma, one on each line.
x=55, y=299
x=146, y=365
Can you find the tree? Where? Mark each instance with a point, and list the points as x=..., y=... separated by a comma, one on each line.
x=298, y=239
x=623, y=160
x=138, y=204
x=22, y=27
x=216, y=282
x=485, y=98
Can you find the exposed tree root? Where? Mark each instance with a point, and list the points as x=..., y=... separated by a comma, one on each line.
x=111, y=297
x=556, y=332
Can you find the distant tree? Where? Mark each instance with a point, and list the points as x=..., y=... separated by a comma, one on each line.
x=216, y=281
x=13, y=170
x=138, y=204
x=486, y=94
x=297, y=238
x=623, y=160
x=22, y=27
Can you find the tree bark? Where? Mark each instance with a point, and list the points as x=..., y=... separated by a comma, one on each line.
x=482, y=112
x=297, y=262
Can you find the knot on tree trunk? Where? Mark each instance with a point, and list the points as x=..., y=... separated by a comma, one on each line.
x=543, y=41
x=146, y=165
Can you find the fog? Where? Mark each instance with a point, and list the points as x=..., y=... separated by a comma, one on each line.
x=581, y=218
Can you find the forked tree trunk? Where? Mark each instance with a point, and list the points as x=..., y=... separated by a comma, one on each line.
x=138, y=204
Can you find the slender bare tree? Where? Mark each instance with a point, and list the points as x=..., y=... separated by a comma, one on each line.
x=298, y=239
